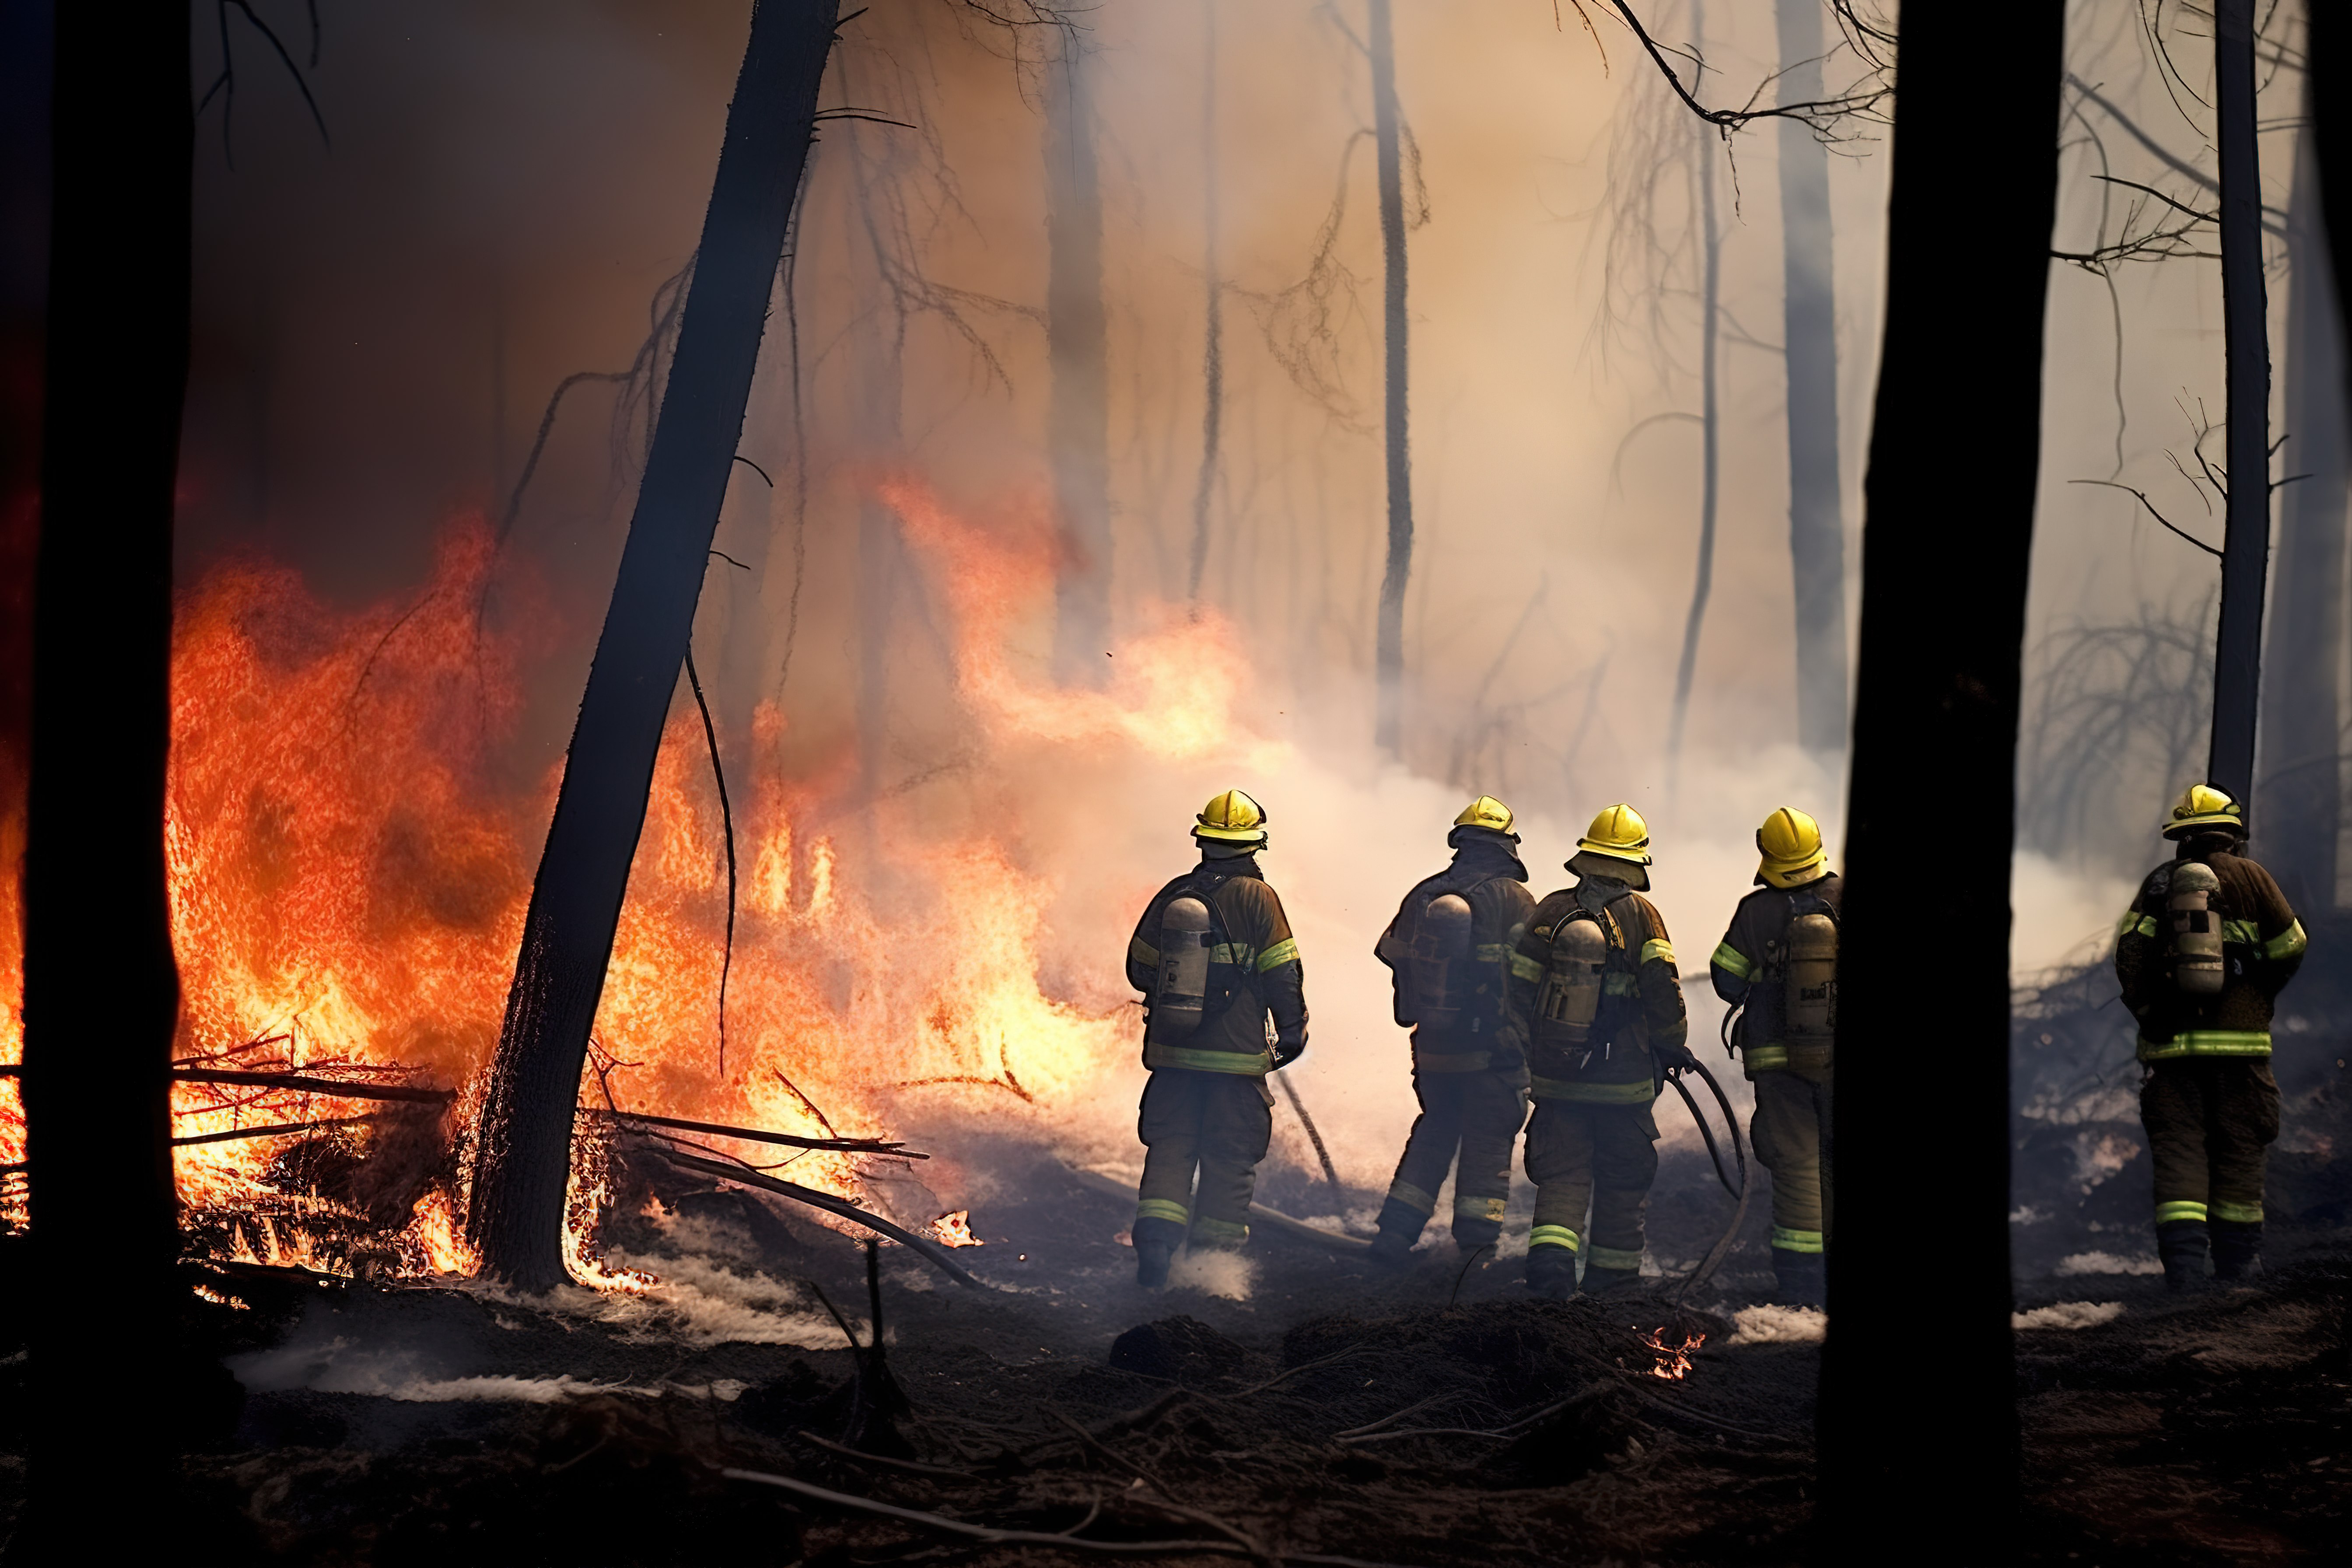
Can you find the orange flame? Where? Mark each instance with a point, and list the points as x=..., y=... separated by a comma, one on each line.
x=955, y=1229
x=1674, y=1361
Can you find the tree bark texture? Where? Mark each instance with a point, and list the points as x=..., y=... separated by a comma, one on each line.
x=1077, y=432
x=1921, y=1130
x=101, y=987
x=1212, y=344
x=2327, y=45
x=1710, y=423
x=2245, y=332
x=523, y=1157
x=1809, y=315
x=1388, y=657
x=2298, y=804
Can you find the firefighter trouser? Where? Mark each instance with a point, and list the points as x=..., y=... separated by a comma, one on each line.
x=1790, y=1134
x=1216, y=1123
x=2211, y=1121
x=1479, y=1113
x=1602, y=1157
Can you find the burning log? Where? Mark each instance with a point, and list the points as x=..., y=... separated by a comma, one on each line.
x=761, y=1136
x=744, y=1176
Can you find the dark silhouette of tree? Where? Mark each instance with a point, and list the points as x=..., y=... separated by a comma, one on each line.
x=1212, y=337
x=1710, y=420
x=1931, y=805
x=101, y=987
x=523, y=1154
x=1077, y=341
x=1809, y=309
x=1388, y=658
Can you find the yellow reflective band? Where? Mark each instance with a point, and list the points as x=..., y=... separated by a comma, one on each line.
x=1613, y=1257
x=1621, y=985
x=1764, y=1058
x=1553, y=1236
x=1143, y=952
x=2244, y=931
x=1450, y=1061
x=2135, y=923
x=1732, y=960
x=1526, y=968
x=2205, y=1043
x=1788, y=1240
x=1658, y=947
x=1640, y=1091
x=1494, y=952
x=1156, y=1057
x=1412, y=1198
x=1478, y=1208
x=1220, y=1232
x=2287, y=943
x=2238, y=1214
x=1240, y=954
x=1281, y=952
x=2167, y=1214
x=1164, y=1208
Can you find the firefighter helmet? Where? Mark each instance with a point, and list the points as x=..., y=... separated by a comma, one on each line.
x=1790, y=845
x=1232, y=817
x=2201, y=808
x=1620, y=834
x=1488, y=813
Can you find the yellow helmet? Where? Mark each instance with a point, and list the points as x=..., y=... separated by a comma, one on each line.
x=1232, y=817
x=2202, y=807
x=1486, y=812
x=1791, y=843
x=1620, y=834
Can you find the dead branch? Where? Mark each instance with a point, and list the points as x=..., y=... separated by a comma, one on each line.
x=761, y=1136
x=274, y=1130
x=930, y=1250
x=884, y=1460
x=333, y=1088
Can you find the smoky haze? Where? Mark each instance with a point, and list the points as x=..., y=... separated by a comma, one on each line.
x=381, y=318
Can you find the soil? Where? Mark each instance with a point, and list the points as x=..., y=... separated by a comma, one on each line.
x=1438, y=1417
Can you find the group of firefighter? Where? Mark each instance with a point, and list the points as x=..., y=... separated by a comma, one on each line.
x=1574, y=1004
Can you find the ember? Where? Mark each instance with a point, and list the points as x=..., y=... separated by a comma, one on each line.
x=1674, y=1361
x=955, y=1229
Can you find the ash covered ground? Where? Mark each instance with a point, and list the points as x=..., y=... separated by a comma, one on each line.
x=1303, y=1406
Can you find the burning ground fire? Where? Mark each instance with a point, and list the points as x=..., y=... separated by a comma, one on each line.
x=347, y=896
x=1674, y=1361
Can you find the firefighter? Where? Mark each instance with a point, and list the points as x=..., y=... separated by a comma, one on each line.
x=1595, y=993
x=2203, y=952
x=1779, y=962
x=1449, y=951
x=1215, y=957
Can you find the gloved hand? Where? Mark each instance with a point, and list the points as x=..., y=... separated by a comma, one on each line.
x=1674, y=1058
x=1289, y=1045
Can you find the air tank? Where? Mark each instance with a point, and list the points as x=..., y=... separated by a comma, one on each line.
x=1183, y=990
x=2196, y=930
x=1441, y=961
x=1812, y=1005
x=1572, y=997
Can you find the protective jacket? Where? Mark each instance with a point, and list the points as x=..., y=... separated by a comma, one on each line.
x=1253, y=969
x=1748, y=967
x=1641, y=1006
x=2261, y=947
x=1486, y=874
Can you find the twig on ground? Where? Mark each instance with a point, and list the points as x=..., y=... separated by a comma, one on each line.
x=1412, y=1409
x=932, y=1251
x=884, y=1459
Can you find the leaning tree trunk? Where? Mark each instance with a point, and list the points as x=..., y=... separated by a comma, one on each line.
x=2245, y=329
x=1922, y=1245
x=2298, y=805
x=101, y=989
x=1809, y=313
x=523, y=1158
x=1710, y=420
x=1388, y=658
x=2329, y=47
x=1078, y=434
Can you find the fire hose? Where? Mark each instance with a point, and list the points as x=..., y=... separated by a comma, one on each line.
x=1714, y=1256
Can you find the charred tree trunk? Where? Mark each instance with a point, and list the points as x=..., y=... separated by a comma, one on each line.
x=1388, y=657
x=523, y=1158
x=1078, y=436
x=2298, y=806
x=2245, y=329
x=2329, y=47
x=1710, y=423
x=1926, y=1246
x=1809, y=313
x=1212, y=350
x=101, y=988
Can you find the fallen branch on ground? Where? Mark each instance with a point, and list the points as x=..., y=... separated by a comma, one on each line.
x=760, y=1135
x=1274, y=1219
x=334, y=1089
x=274, y=1130
x=884, y=1459
x=932, y=1251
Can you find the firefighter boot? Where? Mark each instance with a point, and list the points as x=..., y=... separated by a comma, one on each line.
x=1799, y=1278
x=2237, y=1249
x=1551, y=1272
x=2180, y=1243
x=1597, y=1279
x=1400, y=1225
x=1156, y=1241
